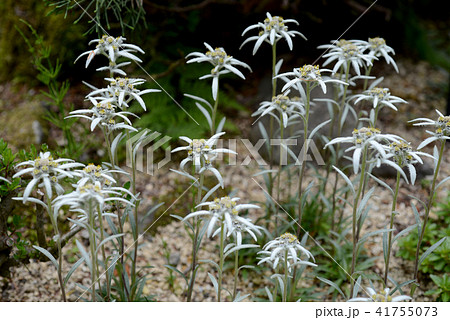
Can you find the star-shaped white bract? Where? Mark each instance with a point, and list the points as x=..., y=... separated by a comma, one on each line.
x=403, y=155
x=121, y=91
x=380, y=97
x=308, y=73
x=374, y=140
x=222, y=62
x=202, y=152
x=377, y=47
x=46, y=173
x=285, y=245
x=272, y=30
x=347, y=52
x=103, y=114
x=442, y=128
x=112, y=48
x=382, y=296
x=225, y=211
x=288, y=109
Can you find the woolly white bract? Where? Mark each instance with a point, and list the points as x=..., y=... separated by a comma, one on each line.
x=271, y=31
x=382, y=296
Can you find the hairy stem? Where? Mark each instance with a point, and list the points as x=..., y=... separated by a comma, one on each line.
x=427, y=213
x=391, y=225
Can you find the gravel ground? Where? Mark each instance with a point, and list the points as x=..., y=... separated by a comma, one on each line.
x=418, y=83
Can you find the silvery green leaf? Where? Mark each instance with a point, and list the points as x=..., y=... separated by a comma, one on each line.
x=112, y=225
x=220, y=126
x=430, y=250
x=278, y=66
x=246, y=266
x=201, y=235
x=404, y=232
x=243, y=246
x=72, y=270
x=214, y=282
x=440, y=183
x=280, y=281
x=357, y=287
x=239, y=298
x=108, y=239
x=344, y=115
x=369, y=234
x=30, y=199
x=210, y=261
x=417, y=218
x=84, y=254
x=264, y=172
x=364, y=201
x=48, y=255
x=210, y=192
x=269, y=295
x=385, y=246
x=384, y=184
x=317, y=128
x=199, y=99
x=177, y=271
x=264, y=135
x=205, y=113
x=334, y=285
x=153, y=209
x=186, y=222
x=347, y=180
x=435, y=155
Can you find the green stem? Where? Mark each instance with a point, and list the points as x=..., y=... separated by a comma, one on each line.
x=221, y=259
x=391, y=225
x=136, y=219
x=214, y=114
x=54, y=222
x=280, y=168
x=236, y=272
x=286, y=277
x=102, y=237
x=92, y=246
x=339, y=121
x=427, y=213
x=354, y=220
x=367, y=74
x=195, y=241
x=303, y=159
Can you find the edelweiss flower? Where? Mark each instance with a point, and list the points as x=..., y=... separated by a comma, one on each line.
x=90, y=197
x=347, y=52
x=308, y=73
x=271, y=31
x=225, y=210
x=289, y=109
x=377, y=47
x=103, y=114
x=201, y=151
x=46, y=172
x=382, y=296
x=121, y=91
x=442, y=132
x=402, y=154
x=92, y=174
x=222, y=63
x=112, y=48
x=367, y=137
x=379, y=97
x=286, y=245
